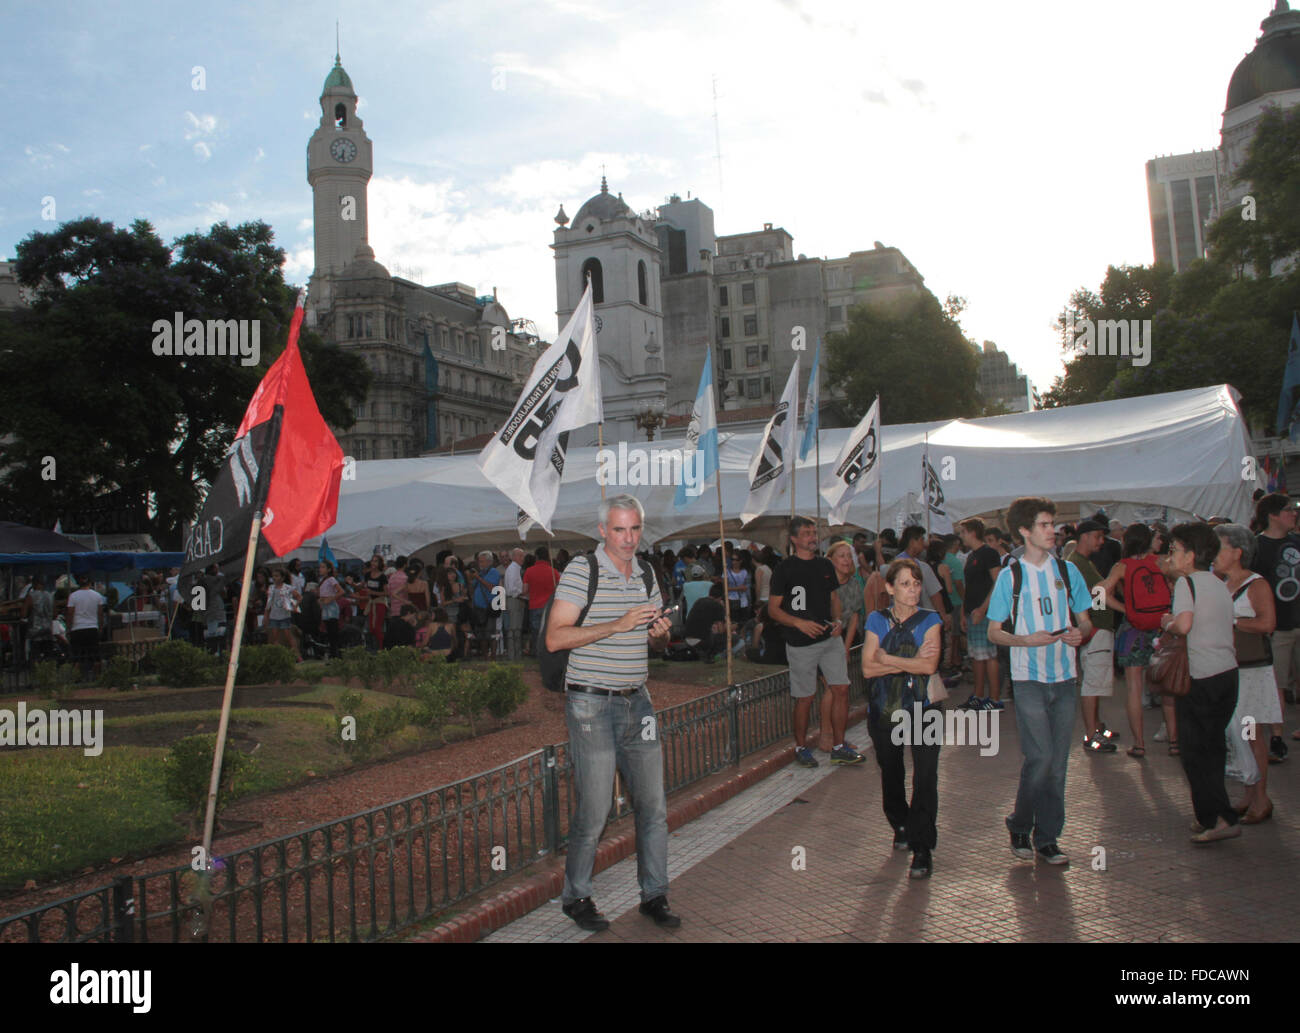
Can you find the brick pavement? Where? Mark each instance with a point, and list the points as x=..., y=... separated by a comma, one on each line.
x=733, y=879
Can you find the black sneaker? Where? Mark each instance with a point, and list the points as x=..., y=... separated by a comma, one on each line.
x=900, y=838
x=1276, y=750
x=658, y=910
x=583, y=911
x=1053, y=854
x=1021, y=846
x=921, y=865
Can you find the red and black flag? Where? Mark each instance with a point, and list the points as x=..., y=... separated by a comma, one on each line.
x=284, y=461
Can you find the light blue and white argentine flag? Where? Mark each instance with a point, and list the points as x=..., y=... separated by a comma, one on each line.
x=811, y=399
x=700, y=456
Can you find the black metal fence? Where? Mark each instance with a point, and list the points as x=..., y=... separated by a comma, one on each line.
x=373, y=874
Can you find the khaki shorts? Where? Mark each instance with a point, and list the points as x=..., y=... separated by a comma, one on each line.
x=1096, y=658
x=804, y=662
x=1285, y=665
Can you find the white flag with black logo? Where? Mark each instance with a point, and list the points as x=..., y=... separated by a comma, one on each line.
x=856, y=468
x=936, y=512
x=525, y=458
x=770, y=468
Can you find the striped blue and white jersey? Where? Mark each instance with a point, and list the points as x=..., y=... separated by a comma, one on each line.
x=1044, y=604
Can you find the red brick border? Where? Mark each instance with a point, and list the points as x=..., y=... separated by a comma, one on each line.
x=535, y=890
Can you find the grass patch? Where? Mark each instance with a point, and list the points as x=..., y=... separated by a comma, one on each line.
x=61, y=810
x=715, y=674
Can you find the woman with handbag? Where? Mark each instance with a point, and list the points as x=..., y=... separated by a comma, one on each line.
x=1254, y=618
x=899, y=655
x=1202, y=612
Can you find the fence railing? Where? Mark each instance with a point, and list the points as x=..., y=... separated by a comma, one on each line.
x=373, y=874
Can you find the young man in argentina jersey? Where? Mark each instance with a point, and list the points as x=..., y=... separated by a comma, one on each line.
x=1043, y=669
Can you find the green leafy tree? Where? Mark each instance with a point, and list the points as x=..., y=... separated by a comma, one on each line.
x=911, y=352
x=79, y=380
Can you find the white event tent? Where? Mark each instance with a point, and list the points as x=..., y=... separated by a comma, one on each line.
x=1183, y=452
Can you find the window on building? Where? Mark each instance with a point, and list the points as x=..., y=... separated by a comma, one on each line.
x=751, y=387
x=460, y=342
x=370, y=324
x=462, y=382
x=732, y=265
x=460, y=425
x=361, y=411
x=406, y=412
x=726, y=358
x=759, y=261
x=642, y=291
x=446, y=337
x=392, y=410
x=374, y=448
x=751, y=356
x=745, y=263
x=767, y=387
x=836, y=314
x=415, y=369
x=374, y=410
x=764, y=355
x=726, y=327
x=361, y=448
x=592, y=266
x=751, y=326
x=747, y=294
x=397, y=454
x=722, y=296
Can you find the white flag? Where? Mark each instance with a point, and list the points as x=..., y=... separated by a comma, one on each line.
x=937, y=519
x=856, y=468
x=770, y=468
x=525, y=459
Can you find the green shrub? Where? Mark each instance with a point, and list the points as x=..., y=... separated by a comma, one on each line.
x=261, y=665
x=401, y=667
x=506, y=690
x=187, y=772
x=182, y=665
x=54, y=680
x=312, y=673
x=469, y=694
x=118, y=673
x=358, y=663
x=433, y=701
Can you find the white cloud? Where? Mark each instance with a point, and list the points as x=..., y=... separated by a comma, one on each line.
x=202, y=150
x=214, y=210
x=260, y=154
x=200, y=125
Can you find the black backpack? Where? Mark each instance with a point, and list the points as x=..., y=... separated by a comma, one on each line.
x=554, y=664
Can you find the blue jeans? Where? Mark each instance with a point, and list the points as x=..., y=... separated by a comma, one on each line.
x=605, y=731
x=1045, y=719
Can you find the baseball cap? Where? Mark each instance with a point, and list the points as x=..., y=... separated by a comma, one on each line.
x=696, y=573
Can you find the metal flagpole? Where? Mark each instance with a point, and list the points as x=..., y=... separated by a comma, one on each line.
x=600, y=443
x=925, y=485
x=880, y=480
x=726, y=561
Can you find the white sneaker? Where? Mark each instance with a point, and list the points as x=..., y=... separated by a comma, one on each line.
x=1162, y=735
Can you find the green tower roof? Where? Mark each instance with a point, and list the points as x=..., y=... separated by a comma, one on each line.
x=337, y=76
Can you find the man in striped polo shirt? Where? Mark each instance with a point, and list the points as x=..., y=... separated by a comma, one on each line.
x=1042, y=643
x=608, y=710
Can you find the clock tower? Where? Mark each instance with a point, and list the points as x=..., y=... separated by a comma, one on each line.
x=340, y=160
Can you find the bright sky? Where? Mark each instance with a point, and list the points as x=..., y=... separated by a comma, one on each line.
x=1000, y=146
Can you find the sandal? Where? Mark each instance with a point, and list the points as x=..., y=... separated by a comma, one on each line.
x=1137, y=752
x=1174, y=751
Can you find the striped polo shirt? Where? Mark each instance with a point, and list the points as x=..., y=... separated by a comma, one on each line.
x=1044, y=604
x=621, y=660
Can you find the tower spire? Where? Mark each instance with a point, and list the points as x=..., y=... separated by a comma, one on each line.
x=337, y=60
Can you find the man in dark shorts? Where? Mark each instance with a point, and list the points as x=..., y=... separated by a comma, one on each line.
x=980, y=565
x=803, y=601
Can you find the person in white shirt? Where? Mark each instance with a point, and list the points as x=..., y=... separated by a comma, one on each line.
x=84, y=614
x=516, y=605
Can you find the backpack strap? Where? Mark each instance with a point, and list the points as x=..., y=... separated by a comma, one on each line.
x=1242, y=590
x=1017, y=581
x=1065, y=576
x=651, y=582
x=593, y=580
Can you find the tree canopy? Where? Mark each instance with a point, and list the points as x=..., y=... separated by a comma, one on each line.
x=1226, y=318
x=911, y=352
x=80, y=381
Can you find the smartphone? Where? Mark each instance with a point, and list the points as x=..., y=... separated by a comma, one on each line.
x=1063, y=631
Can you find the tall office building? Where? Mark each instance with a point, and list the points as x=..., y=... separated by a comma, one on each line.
x=1181, y=196
x=1001, y=382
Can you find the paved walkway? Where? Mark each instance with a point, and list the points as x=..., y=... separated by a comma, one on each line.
x=1134, y=875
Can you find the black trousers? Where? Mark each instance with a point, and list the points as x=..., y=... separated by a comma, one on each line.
x=918, y=817
x=1203, y=716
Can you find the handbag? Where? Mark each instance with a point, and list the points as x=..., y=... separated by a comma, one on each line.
x=936, y=691
x=1169, y=670
x=1253, y=647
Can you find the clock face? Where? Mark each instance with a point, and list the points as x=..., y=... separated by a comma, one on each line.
x=343, y=150
x=599, y=324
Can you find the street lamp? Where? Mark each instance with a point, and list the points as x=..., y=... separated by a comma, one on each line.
x=650, y=419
